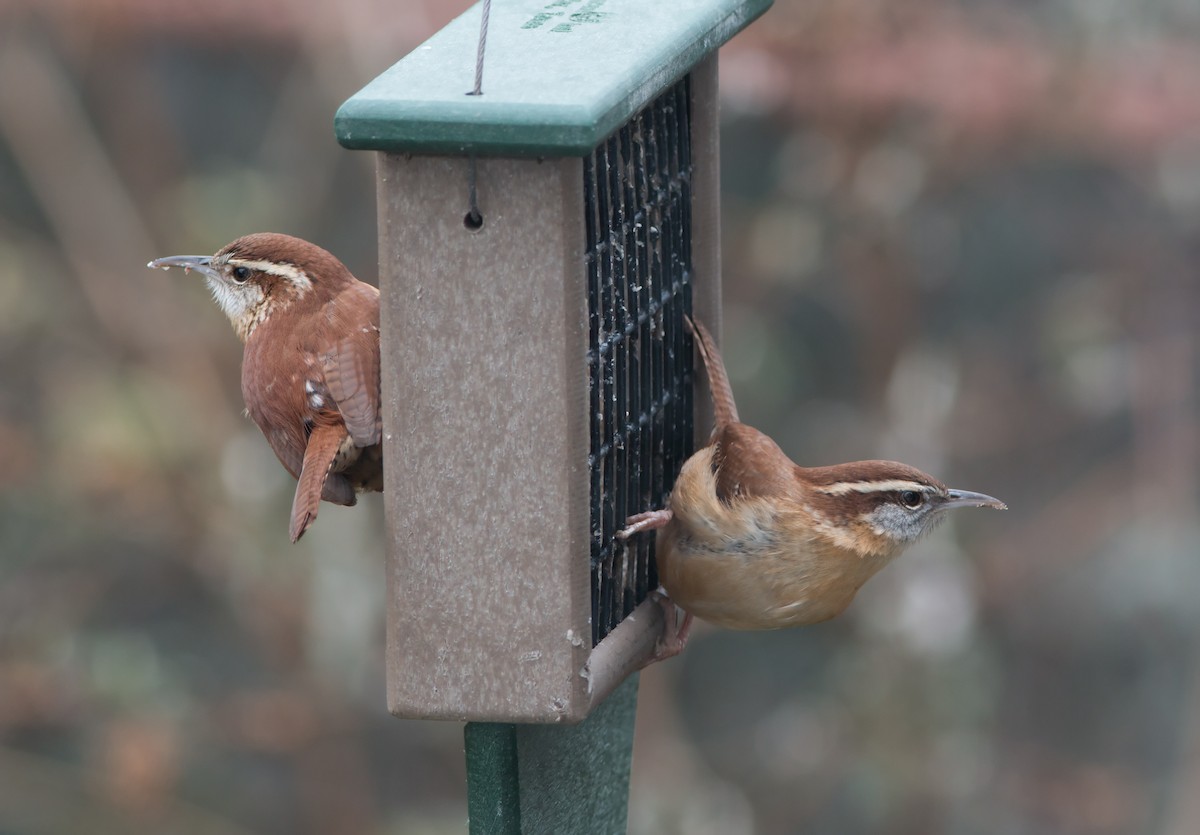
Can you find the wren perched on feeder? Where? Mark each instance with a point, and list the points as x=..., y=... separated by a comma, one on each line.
x=310, y=370
x=750, y=540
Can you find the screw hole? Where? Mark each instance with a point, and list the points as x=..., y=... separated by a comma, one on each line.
x=473, y=220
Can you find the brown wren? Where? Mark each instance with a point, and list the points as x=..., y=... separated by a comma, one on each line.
x=751, y=540
x=310, y=370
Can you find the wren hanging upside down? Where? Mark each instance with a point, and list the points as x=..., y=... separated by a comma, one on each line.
x=750, y=540
x=310, y=370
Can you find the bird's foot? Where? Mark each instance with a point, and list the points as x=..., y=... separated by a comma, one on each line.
x=651, y=520
x=674, y=635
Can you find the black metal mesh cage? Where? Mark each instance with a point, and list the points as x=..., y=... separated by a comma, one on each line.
x=637, y=189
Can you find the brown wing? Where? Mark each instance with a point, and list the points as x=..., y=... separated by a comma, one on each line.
x=748, y=464
x=351, y=367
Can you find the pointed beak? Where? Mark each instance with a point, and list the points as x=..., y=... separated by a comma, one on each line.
x=965, y=498
x=199, y=263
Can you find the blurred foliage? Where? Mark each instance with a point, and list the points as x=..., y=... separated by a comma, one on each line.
x=961, y=233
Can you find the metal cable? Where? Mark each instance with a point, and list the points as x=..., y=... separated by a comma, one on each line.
x=483, y=30
x=474, y=218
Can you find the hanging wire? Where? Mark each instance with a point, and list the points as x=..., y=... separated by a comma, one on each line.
x=474, y=218
x=483, y=30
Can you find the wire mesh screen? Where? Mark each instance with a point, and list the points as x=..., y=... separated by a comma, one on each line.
x=637, y=188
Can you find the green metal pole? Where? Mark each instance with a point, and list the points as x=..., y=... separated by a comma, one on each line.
x=553, y=779
x=493, y=799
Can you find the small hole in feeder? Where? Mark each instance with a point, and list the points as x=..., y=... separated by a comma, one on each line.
x=473, y=220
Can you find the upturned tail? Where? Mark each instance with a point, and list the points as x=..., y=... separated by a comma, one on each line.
x=323, y=445
x=724, y=409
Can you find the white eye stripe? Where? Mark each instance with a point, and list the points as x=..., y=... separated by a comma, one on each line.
x=289, y=272
x=841, y=488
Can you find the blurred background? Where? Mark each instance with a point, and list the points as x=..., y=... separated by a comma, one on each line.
x=961, y=233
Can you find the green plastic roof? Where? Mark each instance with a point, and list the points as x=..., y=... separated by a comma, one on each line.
x=559, y=76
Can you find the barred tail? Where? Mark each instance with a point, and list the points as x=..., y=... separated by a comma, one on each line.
x=323, y=445
x=724, y=409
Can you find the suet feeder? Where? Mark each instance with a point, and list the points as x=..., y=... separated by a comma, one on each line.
x=540, y=244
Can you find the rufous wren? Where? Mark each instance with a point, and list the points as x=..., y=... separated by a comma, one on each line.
x=310, y=369
x=751, y=540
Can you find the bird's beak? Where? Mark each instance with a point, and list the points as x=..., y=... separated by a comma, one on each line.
x=965, y=498
x=199, y=263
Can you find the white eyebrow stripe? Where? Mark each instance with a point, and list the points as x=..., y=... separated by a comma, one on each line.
x=289, y=272
x=841, y=488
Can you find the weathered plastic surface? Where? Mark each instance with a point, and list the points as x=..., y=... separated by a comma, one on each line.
x=484, y=340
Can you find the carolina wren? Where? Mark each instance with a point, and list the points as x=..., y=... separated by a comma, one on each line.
x=310, y=370
x=750, y=540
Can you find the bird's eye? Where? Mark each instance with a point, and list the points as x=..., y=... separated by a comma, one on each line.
x=912, y=499
x=240, y=274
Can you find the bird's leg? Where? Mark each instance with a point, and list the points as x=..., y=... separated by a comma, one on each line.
x=674, y=635
x=651, y=520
